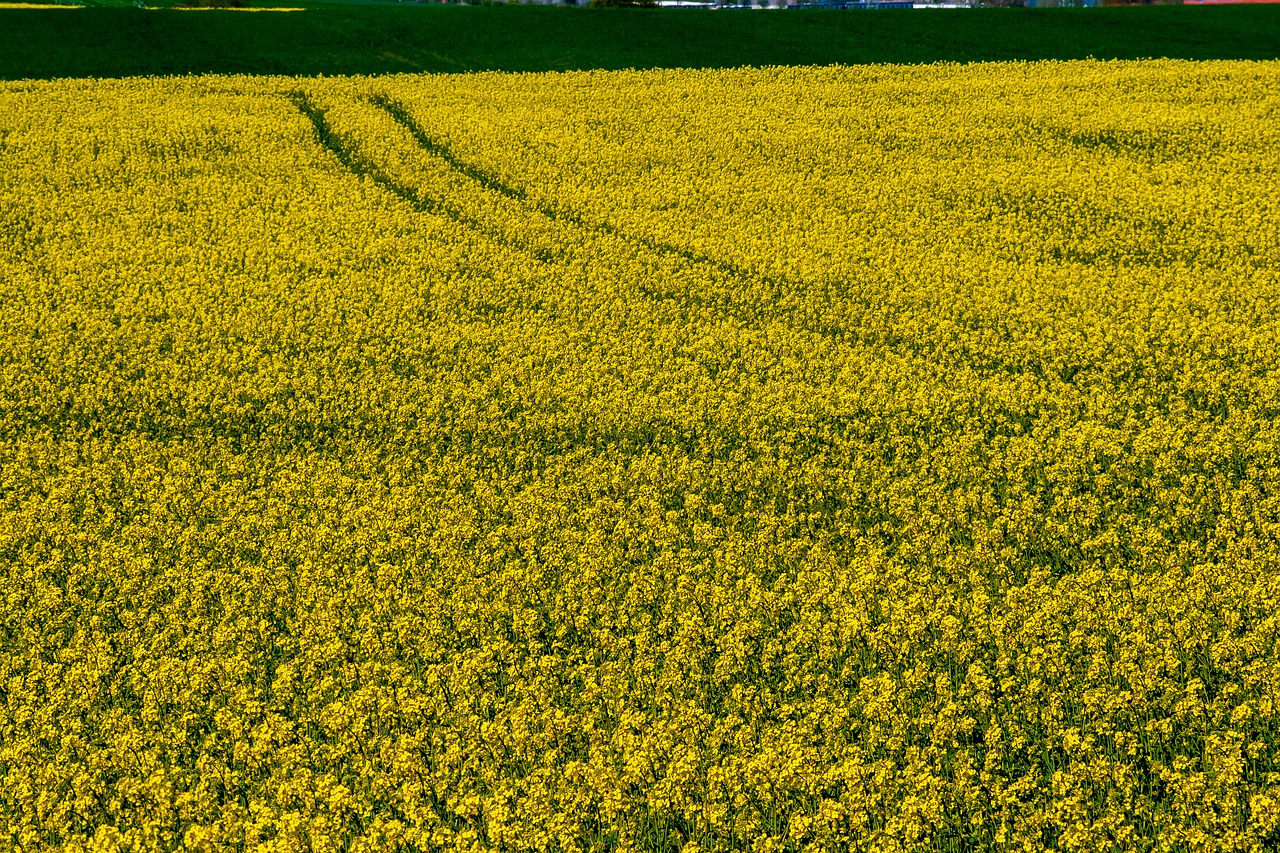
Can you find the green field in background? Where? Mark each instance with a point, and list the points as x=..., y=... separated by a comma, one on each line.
x=391, y=38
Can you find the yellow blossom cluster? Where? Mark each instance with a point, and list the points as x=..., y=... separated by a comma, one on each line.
x=789, y=459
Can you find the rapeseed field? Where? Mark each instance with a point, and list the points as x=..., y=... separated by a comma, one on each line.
x=793, y=459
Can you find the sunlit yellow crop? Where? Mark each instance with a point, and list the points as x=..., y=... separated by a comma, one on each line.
x=876, y=459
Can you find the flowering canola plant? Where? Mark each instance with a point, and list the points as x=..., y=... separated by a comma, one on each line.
x=878, y=458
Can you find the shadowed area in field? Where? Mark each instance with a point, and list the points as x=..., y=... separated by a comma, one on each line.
x=97, y=42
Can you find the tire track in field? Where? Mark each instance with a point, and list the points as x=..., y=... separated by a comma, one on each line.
x=361, y=166
x=401, y=115
x=357, y=164
x=721, y=303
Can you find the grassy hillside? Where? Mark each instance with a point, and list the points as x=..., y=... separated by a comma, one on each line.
x=107, y=42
